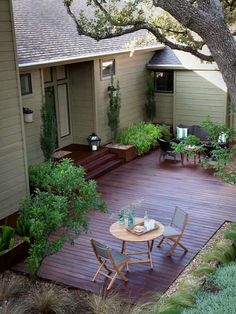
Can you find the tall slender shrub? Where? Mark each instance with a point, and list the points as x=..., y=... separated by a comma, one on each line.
x=48, y=135
x=150, y=106
x=113, y=111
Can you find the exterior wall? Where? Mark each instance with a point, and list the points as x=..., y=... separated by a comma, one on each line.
x=13, y=172
x=132, y=75
x=164, y=108
x=32, y=130
x=199, y=94
x=82, y=100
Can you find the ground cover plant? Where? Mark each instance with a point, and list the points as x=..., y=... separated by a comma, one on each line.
x=63, y=203
x=206, y=284
x=143, y=136
x=223, y=284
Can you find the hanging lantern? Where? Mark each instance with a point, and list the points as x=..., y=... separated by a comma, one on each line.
x=94, y=141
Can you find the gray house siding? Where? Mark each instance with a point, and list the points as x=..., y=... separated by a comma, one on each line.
x=13, y=172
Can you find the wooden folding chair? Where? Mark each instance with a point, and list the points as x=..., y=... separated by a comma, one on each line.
x=116, y=260
x=174, y=231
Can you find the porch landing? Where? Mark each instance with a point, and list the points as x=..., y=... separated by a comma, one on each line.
x=163, y=186
x=96, y=163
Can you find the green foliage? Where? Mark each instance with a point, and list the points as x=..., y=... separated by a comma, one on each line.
x=203, y=269
x=24, y=229
x=142, y=135
x=67, y=208
x=191, y=140
x=45, y=213
x=222, y=301
x=113, y=111
x=223, y=253
x=164, y=132
x=150, y=105
x=48, y=135
x=7, y=239
x=178, y=300
x=222, y=161
x=40, y=175
x=215, y=129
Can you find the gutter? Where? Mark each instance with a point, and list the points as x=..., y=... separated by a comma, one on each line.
x=180, y=67
x=87, y=57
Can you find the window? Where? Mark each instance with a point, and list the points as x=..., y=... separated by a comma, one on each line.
x=107, y=68
x=25, y=82
x=47, y=73
x=164, y=81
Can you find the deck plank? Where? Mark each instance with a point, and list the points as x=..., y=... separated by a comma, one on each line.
x=163, y=186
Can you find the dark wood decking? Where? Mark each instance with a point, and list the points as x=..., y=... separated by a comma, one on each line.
x=163, y=186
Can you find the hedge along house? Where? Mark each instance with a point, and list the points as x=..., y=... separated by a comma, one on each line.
x=77, y=70
x=188, y=90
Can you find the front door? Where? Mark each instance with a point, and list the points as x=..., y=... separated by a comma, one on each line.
x=56, y=82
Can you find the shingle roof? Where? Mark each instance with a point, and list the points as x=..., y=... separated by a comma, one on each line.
x=168, y=58
x=45, y=32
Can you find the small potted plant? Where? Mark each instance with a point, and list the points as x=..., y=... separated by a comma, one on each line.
x=28, y=115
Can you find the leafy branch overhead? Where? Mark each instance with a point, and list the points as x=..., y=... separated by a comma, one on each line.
x=198, y=27
x=114, y=18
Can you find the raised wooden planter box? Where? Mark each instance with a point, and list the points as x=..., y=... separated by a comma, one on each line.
x=126, y=152
x=13, y=256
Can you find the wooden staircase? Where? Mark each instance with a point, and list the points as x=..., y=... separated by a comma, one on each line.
x=95, y=163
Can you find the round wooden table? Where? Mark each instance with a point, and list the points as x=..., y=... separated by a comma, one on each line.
x=120, y=232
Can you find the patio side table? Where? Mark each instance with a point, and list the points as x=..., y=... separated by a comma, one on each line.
x=120, y=232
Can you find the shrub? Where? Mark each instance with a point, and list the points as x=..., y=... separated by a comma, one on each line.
x=142, y=135
x=164, y=132
x=150, y=105
x=215, y=129
x=67, y=208
x=50, y=299
x=224, y=300
x=40, y=175
x=11, y=287
x=223, y=252
x=46, y=213
x=48, y=135
x=113, y=111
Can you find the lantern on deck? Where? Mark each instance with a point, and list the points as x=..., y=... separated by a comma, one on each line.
x=94, y=141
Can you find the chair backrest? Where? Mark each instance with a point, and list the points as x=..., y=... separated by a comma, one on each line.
x=164, y=145
x=100, y=249
x=180, y=219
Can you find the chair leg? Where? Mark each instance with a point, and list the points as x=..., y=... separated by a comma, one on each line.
x=160, y=243
x=112, y=281
x=183, y=247
x=98, y=271
x=172, y=249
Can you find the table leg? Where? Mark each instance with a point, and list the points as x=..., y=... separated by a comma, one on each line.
x=149, y=252
x=123, y=248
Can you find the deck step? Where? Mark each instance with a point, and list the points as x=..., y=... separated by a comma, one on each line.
x=98, y=162
x=105, y=168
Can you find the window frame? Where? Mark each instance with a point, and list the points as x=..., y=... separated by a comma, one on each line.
x=30, y=91
x=164, y=91
x=105, y=77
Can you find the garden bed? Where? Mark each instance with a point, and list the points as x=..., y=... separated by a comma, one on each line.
x=14, y=255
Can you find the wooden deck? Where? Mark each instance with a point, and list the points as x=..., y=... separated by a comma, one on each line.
x=163, y=186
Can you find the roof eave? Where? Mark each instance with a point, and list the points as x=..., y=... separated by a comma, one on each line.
x=87, y=57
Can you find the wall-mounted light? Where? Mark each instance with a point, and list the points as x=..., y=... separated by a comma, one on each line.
x=28, y=115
